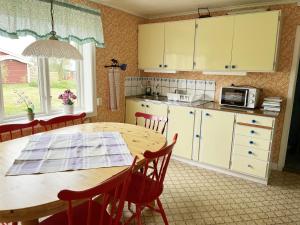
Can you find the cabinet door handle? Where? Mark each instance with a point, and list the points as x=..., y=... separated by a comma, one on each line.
x=160, y=65
x=252, y=132
x=251, y=142
x=250, y=153
x=165, y=66
x=250, y=166
x=226, y=67
x=253, y=121
x=191, y=112
x=142, y=105
x=147, y=106
x=233, y=66
x=207, y=114
x=197, y=136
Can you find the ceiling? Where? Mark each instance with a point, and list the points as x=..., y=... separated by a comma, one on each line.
x=162, y=8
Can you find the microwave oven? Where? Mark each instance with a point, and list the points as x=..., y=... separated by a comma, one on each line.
x=244, y=97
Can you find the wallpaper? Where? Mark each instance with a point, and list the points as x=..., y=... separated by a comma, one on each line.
x=120, y=35
x=273, y=84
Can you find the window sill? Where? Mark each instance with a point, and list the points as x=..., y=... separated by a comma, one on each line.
x=24, y=119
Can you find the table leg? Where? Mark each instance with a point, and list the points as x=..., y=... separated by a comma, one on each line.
x=30, y=222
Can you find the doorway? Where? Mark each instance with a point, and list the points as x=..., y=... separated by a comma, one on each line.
x=292, y=161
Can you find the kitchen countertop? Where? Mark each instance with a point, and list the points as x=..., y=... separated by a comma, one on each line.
x=208, y=105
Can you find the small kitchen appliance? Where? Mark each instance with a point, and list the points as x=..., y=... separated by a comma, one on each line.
x=240, y=96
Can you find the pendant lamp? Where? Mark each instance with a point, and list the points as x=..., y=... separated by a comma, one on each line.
x=52, y=47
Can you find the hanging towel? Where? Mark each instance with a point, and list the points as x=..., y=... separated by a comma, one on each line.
x=114, y=88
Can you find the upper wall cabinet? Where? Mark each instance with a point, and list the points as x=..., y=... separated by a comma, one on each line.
x=255, y=41
x=167, y=46
x=151, y=44
x=245, y=42
x=179, y=45
x=213, y=43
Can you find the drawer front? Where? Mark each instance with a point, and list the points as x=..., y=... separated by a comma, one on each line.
x=255, y=120
x=252, y=142
x=252, y=167
x=253, y=132
x=251, y=153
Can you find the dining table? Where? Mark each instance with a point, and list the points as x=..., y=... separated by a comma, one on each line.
x=27, y=198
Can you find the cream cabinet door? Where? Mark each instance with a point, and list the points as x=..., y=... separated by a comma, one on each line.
x=179, y=45
x=213, y=43
x=158, y=109
x=255, y=41
x=216, y=138
x=181, y=121
x=133, y=106
x=151, y=45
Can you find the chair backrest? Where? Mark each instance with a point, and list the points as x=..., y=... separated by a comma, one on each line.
x=155, y=167
x=156, y=123
x=18, y=128
x=62, y=121
x=112, y=193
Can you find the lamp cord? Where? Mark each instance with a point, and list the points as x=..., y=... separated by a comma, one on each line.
x=52, y=16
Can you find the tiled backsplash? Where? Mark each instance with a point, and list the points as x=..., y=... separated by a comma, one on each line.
x=203, y=88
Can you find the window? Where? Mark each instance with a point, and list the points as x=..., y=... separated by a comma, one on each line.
x=42, y=80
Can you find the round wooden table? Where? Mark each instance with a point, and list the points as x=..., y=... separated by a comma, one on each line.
x=26, y=198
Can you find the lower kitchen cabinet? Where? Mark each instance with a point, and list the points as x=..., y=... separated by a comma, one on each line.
x=216, y=138
x=181, y=121
x=133, y=106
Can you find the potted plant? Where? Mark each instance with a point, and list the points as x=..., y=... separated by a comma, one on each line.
x=68, y=98
x=23, y=99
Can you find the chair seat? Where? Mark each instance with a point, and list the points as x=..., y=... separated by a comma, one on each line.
x=79, y=216
x=152, y=189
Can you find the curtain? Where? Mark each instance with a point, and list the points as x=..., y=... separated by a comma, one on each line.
x=32, y=17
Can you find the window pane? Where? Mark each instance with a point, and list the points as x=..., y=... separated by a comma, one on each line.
x=18, y=74
x=63, y=75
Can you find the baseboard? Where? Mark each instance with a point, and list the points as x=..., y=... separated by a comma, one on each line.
x=275, y=166
x=221, y=170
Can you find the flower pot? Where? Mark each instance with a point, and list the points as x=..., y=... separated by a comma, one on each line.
x=69, y=109
x=30, y=116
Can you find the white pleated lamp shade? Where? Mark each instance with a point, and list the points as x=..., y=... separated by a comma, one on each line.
x=52, y=48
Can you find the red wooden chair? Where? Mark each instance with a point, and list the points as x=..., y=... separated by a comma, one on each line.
x=10, y=129
x=62, y=120
x=156, y=123
x=109, y=212
x=147, y=185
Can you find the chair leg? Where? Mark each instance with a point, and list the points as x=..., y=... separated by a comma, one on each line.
x=162, y=211
x=138, y=215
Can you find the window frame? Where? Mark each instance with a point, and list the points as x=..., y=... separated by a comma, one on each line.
x=44, y=88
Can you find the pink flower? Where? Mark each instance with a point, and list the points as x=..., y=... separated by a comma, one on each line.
x=67, y=97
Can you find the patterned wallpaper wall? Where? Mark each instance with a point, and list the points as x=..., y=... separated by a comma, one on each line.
x=120, y=34
x=273, y=84
x=120, y=37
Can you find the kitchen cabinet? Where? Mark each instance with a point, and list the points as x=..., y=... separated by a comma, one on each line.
x=179, y=45
x=255, y=41
x=252, y=145
x=216, y=138
x=237, y=42
x=181, y=121
x=166, y=46
x=133, y=106
x=213, y=43
x=151, y=41
x=197, y=136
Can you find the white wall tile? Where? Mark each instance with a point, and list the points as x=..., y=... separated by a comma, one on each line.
x=190, y=91
x=210, y=85
x=181, y=84
x=200, y=84
x=173, y=83
x=165, y=82
x=165, y=91
x=172, y=89
x=209, y=95
x=191, y=84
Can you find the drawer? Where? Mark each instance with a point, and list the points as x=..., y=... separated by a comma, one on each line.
x=251, y=153
x=255, y=120
x=253, y=132
x=252, y=142
x=249, y=166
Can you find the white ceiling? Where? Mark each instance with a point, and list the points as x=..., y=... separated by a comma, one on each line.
x=161, y=8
